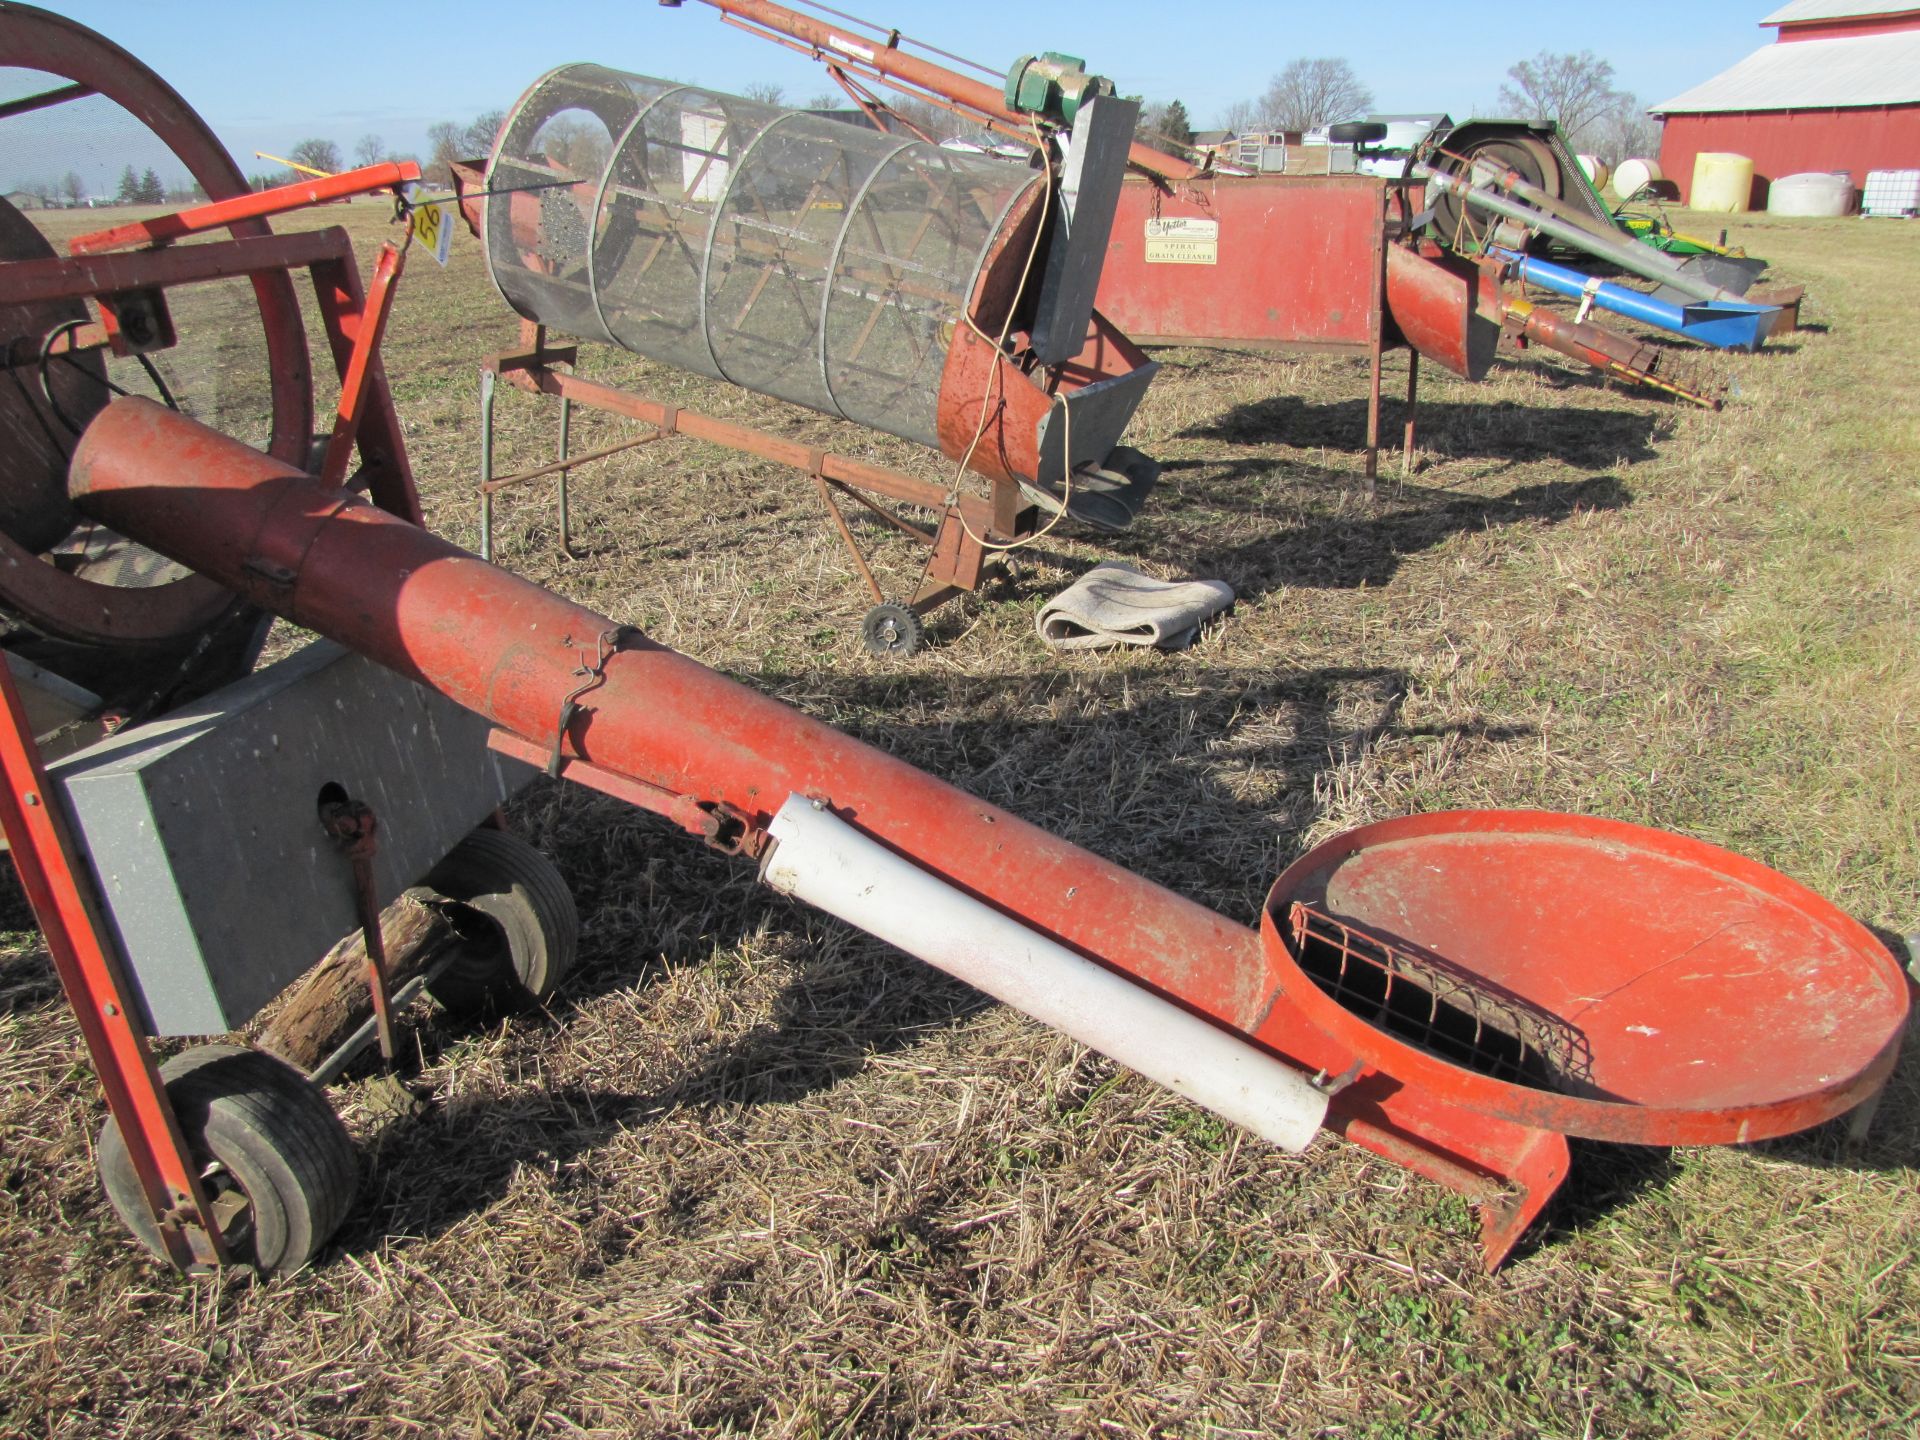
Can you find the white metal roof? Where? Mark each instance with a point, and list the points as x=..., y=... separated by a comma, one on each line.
x=1812, y=75
x=1836, y=10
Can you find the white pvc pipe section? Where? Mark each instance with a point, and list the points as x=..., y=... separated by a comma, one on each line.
x=824, y=861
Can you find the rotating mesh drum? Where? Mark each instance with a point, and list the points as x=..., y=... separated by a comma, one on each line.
x=795, y=255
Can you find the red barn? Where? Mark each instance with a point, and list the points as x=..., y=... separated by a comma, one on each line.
x=1839, y=89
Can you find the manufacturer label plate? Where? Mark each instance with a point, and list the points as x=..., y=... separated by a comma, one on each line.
x=1183, y=241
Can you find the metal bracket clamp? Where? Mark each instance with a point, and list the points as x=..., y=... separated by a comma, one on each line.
x=606, y=645
x=353, y=827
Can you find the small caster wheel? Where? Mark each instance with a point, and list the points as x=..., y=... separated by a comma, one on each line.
x=526, y=932
x=276, y=1162
x=892, y=630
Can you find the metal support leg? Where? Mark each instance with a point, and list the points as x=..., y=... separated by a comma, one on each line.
x=566, y=425
x=846, y=536
x=355, y=829
x=486, y=464
x=1373, y=418
x=1413, y=410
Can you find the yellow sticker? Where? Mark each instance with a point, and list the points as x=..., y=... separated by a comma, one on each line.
x=433, y=228
x=1183, y=240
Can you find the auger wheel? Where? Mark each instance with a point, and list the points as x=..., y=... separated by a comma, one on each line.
x=892, y=630
x=278, y=1166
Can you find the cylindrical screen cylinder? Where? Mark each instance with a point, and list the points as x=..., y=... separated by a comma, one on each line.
x=793, y=254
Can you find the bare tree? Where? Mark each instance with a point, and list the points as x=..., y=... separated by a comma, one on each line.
x=1311, y=93
x=766, y=92
x=1572, y=90
x=1243, y=117
x=828, y=100
x=1624, y=132
x=575, y=144
x=72, y=188
x=369, y=149
x=445, y=137
x=451, y=142
x=479, y=135
x=315, y=154
x=934, y=121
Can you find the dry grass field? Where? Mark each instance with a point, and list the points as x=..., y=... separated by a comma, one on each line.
x=753, y=1174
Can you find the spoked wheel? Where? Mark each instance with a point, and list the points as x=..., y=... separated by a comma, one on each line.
x=273, y=1155
x=892, y=630
x=525, y=931
x=241, y=357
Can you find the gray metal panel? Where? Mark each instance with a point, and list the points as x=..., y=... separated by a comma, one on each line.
x=1096, y=164
x=203, y=834
x=1100, y=413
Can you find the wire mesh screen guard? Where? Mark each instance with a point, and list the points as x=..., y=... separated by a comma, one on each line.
x=798, y=256
x=1437, y=1006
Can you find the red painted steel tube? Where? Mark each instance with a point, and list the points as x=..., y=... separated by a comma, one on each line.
x=636, y=719
x=254, y=206
x=514, y=653
x=1605, y=350
x=890, y=63
x=570, y=681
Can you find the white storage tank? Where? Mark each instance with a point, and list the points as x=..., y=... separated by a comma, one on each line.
x=1630, y=177
x=1814, y=192
x=1891, y=192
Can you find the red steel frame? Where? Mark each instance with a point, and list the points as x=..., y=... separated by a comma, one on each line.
x=958, y=545
x=190, y=1225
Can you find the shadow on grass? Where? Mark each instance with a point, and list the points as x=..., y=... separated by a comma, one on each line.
x=1587, y=437
x=1347, y=551
x=1601, y=1179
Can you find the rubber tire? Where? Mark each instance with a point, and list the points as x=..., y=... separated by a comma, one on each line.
x=533, y=925
x=274, y=1135
x=892, y=630
x=1356, y=132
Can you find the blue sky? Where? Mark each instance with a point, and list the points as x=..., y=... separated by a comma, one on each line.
x=269, y=74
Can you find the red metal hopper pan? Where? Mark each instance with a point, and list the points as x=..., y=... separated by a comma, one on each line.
x=1517, y=972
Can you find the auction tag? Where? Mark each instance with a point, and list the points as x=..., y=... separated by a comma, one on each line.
x=1183, y=240
x=433, y=228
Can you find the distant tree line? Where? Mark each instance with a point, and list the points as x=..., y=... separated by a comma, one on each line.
x=1575, y=90
x=319, y=153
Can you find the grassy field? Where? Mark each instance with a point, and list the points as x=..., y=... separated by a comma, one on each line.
x=753, y=1174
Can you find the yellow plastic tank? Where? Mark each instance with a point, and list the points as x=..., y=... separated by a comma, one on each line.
x=1721, y=181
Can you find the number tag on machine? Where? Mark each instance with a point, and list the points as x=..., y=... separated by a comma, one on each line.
x=1183, y=240
x=433, y=228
